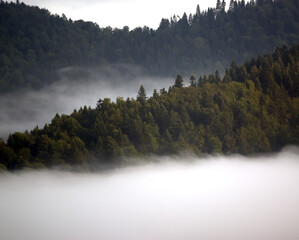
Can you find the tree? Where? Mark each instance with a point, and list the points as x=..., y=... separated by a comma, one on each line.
x=175, y=127
x=179, y=81
x=111, y=147
x=196, y=15
x=223, y=5
x=164, y=24
x=155, y=94
x=217, y=76
x=193, y=81
x=7, y=155
x=220, y=7
x=141, y=97
x=231, y=5
x=243, y=3
x=213, y=144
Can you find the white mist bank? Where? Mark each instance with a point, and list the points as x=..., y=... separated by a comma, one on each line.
x=25, y=109
x=216, y=198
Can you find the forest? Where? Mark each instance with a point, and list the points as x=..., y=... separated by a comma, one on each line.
x=253, y=108
x=35, y=44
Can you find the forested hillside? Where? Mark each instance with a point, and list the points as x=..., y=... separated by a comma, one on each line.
x=253, y=109
x=34, y=44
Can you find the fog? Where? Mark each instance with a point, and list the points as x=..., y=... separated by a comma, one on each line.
x=25, y=109
x=176, y=198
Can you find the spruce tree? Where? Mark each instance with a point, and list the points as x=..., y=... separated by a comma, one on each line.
x=223, y=6
x=218, y=7
x=231, y=5
x=141, y=97
x=179, y=81
x=193, y=81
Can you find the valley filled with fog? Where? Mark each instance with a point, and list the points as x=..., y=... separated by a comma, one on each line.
x=214, y=157
x=25, y=109
x=180, y=197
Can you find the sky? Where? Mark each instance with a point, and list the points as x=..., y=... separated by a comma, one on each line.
x=120, y=13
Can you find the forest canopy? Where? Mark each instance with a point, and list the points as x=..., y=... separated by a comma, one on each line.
x=254, y=108
x=36, y=44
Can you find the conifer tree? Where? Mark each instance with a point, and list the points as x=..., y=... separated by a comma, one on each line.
x=179, y=81
x=231, y=5
x=141, y=97
x=223, y=6
x=218, y=7
x=155, y=93
x=197, y=12
x=193, y=81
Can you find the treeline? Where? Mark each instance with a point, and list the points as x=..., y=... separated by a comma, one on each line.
x=34, y=44
x=254, y=108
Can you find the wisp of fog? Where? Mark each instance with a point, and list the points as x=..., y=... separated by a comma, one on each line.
x=25, y=109
x=215, y=198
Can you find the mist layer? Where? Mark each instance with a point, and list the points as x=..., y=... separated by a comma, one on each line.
x=212, y=198
x=25, y=109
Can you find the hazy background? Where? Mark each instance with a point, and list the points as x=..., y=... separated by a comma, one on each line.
x=216, y=198
x=25, y=109
x=120, y=13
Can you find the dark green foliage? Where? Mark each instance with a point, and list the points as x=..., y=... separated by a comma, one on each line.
x=141, y=97
x=192, y=81
x=35, y=45
x=255, y=111
x=179, y=81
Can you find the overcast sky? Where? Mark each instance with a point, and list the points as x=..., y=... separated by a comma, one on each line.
x=120, y=13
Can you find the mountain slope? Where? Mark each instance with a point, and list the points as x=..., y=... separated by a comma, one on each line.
x=253, y=109
x=34, y=44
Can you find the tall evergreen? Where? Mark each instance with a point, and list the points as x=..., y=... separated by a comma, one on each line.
x=231, y=5
x=141, y=94
x=179, y=81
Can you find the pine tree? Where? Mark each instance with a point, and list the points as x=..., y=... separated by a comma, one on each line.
x=179, y=81
x=231, y=5
x=218, y=4
x=155, y=94
x=141, y=97
x=243, y=3
x=197, y=10
x=196, y=15
x=218, y=7
x=193, y=81
x=223, y=6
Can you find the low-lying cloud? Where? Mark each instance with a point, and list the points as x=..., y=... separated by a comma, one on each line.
x=215, y=198
x=25, y=109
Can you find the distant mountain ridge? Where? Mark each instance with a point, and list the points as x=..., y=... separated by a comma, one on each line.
x=34, y=44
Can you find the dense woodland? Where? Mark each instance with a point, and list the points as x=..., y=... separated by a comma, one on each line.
x=254, y=108
x=34, y=44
